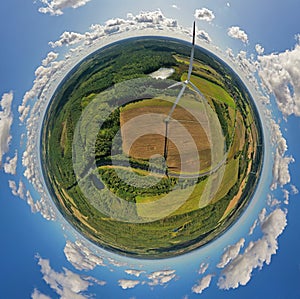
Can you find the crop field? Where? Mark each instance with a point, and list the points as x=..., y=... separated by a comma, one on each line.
x=183, y=148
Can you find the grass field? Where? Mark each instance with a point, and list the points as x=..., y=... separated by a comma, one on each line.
x=202, y=70
x=211, y=90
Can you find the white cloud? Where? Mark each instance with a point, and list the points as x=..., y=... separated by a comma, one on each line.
x=280, y=75
x=10, y=166
x=253, y=227
x=249, y=67
x=116, y=263
x=294, y=190
x=175, y=6
x=40, y=206
x=128, y=284
x=237, y=33
x=66, y=284
x=51, y=56
x=286, y=196
x=6, y=120
x=68, y=38
x=17, y=190
x=203, y=284
x=203, y=268
x=38, y=295
x=81, y=257
x=203, y=35
x=133, y=272
x=231, y=253
x=161, y=277
x=239, y=271
x=153, y=18
x=42, y=76
x=272, y=201
x=56, y=7
x=259, y=49
x=281, y=174
x=204, y=14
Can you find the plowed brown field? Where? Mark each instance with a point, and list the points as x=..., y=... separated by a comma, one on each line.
x=143, y=136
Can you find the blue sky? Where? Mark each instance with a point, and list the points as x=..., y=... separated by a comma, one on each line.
x=42, y=257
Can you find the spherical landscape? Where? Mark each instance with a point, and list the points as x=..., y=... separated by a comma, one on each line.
x=138, y=172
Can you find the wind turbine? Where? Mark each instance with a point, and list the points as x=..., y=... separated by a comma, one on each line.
x=184, y=84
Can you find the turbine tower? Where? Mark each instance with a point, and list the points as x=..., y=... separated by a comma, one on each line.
x=184, y=84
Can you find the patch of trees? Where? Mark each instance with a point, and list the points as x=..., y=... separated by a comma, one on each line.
x=129, y=191
x=224, y=118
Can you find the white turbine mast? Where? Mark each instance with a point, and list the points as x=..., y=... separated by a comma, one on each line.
x=184, y=84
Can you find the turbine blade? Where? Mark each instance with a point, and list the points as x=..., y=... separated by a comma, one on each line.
x=175, y=84
x=176, y=102
x=192, y=53
x=197, y=90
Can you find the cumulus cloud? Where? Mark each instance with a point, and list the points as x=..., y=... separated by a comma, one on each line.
x=294, y=190
x=249, y=67
x=175, y=6
x=231, y=253
x=161, y=277
x=128, y=284
x=203, y=267
x=153, y=18
x=38, y=295
x=259, y=49
x=67, y=38
x=204, y=14
x=6, y=120
x=280, y=75
x=133, y=272
x=286, y=196
x=56, y=7
x=203, y=284
x=239, y=271
x=51, y=56
x=237, y=33
x=17, y=190
x=203, y=35
x=42, y=76
x=272, y=201
x=253, y=227
x=81, y=257
x=40, y=206
x=281, y=174
x=66, y=284
x=116, y=263
x=10, y=166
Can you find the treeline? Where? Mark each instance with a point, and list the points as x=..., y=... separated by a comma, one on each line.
x=129, y=191
x=104, y=143
x=224, y=118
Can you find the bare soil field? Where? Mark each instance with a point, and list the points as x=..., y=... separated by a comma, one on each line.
x=143, y=136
